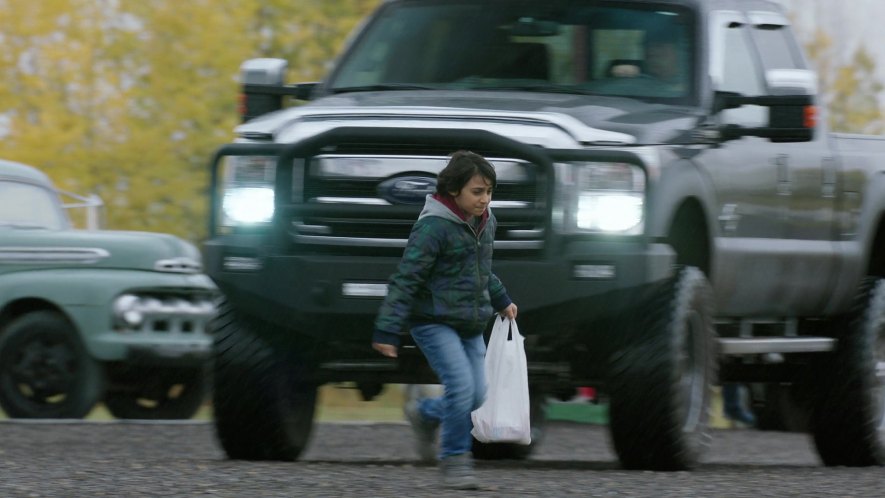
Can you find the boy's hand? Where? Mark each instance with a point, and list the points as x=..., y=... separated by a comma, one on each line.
x=388, y=350
x=509, y=312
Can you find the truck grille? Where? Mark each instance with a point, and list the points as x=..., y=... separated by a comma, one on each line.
x=151, y=312
x=366, y=200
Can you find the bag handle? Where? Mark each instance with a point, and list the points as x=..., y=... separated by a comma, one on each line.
x=509, y=327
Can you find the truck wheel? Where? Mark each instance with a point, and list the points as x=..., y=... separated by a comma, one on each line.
x=160, y=395
x=513, y=451
x=847, y=422
x=263, y=409
x=45, y=372
x=661, y=382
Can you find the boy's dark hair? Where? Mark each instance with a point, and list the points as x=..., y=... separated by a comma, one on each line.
x=463, y=165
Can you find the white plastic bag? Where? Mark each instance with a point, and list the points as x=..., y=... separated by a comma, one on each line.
x=504, y=415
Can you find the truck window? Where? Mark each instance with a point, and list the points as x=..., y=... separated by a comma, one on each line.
x=777, y=46
x=558, y=46
x=779, y=50
x=29, y=205
x=733, y=66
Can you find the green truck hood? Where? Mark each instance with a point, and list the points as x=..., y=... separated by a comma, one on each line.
x=22, y=248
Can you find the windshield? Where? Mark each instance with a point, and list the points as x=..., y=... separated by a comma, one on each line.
x=29, y=206
x=641, y=50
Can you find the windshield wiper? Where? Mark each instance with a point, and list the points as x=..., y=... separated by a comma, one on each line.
x=380, y=88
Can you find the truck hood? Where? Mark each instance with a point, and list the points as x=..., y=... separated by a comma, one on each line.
x=37, y=248
x=549, y=120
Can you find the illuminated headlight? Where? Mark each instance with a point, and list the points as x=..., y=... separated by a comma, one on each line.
x=248, y=205
x=600, y=197
x=247, y=190
x=609, y=212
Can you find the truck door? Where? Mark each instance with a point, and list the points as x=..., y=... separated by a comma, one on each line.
x=806, y=173
x=752, y=211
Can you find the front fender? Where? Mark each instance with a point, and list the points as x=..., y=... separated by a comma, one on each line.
x=678, y=181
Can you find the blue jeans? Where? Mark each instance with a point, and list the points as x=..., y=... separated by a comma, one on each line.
x=460, y=366
x=733, y=404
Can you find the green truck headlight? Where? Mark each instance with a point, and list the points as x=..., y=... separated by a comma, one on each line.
x=249, y=205
x=609, y=212
x=597, y=197
x=247, y=190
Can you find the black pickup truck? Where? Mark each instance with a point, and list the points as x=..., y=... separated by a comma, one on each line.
x=672, y=215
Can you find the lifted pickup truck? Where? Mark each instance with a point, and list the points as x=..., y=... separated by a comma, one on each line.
x=95, y=315
x=671, y=215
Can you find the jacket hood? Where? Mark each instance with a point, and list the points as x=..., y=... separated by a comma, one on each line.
x=547, y=119
x=98, y=249
x=435, y=207
x=443, y=207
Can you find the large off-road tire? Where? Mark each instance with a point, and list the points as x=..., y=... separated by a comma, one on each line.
x=513, y=451
x=660, y=383
x=45, y=371
x=263, y=407
x=159, y=394
x=847, y=421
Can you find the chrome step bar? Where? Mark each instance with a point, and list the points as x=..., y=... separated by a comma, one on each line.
x=762, y=345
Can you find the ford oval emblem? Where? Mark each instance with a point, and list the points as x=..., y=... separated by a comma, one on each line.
x=407, y=189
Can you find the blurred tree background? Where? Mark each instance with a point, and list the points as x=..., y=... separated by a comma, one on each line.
x=848, y=91
x=849, y=88
x=129, y=99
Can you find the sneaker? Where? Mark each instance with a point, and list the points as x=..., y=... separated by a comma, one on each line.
x=457, y=472
x=423, y=429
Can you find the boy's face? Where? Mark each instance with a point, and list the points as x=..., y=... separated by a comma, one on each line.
x=475, y=197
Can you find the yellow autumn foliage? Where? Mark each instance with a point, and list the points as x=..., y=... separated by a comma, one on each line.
x=129, y=99
x=847, y=90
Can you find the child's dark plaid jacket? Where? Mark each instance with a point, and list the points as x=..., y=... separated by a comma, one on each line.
x=445, y=276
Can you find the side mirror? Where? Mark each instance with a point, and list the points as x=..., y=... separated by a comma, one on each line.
x=263, y=87
x=791, y=81
x=791, y=118
x=255, y=75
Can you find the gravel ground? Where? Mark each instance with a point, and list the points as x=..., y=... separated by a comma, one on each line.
x=130, y=459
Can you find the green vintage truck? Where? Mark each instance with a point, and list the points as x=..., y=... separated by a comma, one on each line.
x=89, y=316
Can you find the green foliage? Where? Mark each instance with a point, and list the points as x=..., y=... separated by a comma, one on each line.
x=849, y=92
x=855, y=103
x=128, y=100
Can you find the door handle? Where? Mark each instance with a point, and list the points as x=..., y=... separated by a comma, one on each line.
x=784, y=183
x=828, y=177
